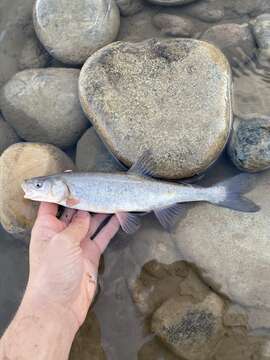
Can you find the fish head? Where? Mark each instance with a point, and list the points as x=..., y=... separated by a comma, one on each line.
x=49, y=189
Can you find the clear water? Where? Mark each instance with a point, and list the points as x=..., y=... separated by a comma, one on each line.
x=120, y=328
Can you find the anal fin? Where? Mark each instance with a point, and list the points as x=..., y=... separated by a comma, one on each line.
x=169, y=216
x=129, y=222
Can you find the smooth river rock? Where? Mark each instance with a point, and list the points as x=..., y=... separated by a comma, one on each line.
x=171, y=2
x=8, y=135
x=172, y=97
x=249, y=145
x=17, y=163
x=92, y=155
x=72, y=30
x=231, y=249
x=261, y=30
x=236, y=41
x=191, y=330
x=130, y=7
x=19, y=46
x=173, y=25
x=43, y=106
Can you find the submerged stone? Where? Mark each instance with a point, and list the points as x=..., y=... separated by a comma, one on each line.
x=72, y=30
x=172, y=97
x=8, y=135
x=43, y=106
x=19, y=162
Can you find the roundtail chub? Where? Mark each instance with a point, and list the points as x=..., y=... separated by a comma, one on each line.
x=135, y=192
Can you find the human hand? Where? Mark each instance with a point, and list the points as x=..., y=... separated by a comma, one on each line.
x=64, y=260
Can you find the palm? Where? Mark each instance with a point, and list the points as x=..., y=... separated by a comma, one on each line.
x=63, y=259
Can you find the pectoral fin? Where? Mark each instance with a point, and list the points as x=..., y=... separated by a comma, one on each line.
x=129, y=222
x=169, y=216
x=71, y=202
x=144, y=166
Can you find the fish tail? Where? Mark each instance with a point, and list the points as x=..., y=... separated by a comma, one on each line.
x=232, y=191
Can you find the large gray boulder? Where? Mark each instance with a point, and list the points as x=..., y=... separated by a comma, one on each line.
x=170, y=96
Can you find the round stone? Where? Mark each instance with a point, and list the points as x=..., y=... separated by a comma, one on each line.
x=173, y=25
x=171, y=2
x=43, y=106
x=72, y=30
x=249, y=145
x=7, y=135
x=172, y=97
x=19, y=162
x=230, y=248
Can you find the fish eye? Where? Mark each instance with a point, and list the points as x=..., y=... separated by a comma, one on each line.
x=38, y=185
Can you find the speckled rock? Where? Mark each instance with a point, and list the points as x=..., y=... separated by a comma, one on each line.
x=92, y=155
x=230, y=38
x=19, y=47
x=130, y=7
x=173, y=25
x=17, y=163
x=249, y=145
x=72, y=30
x=191, y=330
x=230, y=248
x=43, y=106
x=171, y=2
x=7, y=135
x=160, y=95
x=87, y=342
x=261, y=30
x=206, y=11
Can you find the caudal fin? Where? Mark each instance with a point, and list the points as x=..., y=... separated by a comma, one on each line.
x=234, y=189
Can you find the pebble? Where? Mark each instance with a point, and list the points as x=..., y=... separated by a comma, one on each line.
x=72, y=30
x=171, y=2
x=173, y=25
x=230, y=248
x=43, y=106
x=236, y=41
x=206, y=12
x=261, y=30
x=19, y=162
x=130, y=7
x=7, y=135
x=191, y=330
x=169, y=96
x=19, y=47
x=249, y=145
x=92, y=155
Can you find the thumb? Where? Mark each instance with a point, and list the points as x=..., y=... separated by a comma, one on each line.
x=78, y=229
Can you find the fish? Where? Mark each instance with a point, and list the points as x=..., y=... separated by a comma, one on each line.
x=136, y=192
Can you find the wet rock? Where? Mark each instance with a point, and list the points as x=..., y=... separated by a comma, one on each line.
x=19, y=48
x=92, y=155
x=155, y=350
x=251, y=94
x=73, y=30
x=191, y=330
x=171, y=2
x=33, y=55
x=43, y=106
x=251, y=7
x=7, y=135
x=160, y=95
x=261, y=30
x=235, y=315
x=235, y=41
x=87, y=342
x=230, y=248
x=17, y=163
x=130, y=7
x=206, y=12
x=249, y=145
x=173, y=25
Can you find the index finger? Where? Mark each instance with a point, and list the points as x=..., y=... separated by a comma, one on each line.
x=46, y=208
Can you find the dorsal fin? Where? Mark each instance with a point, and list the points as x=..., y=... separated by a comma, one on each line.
x=144, y=166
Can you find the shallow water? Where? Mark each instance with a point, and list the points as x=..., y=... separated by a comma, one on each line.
x=123, y=315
